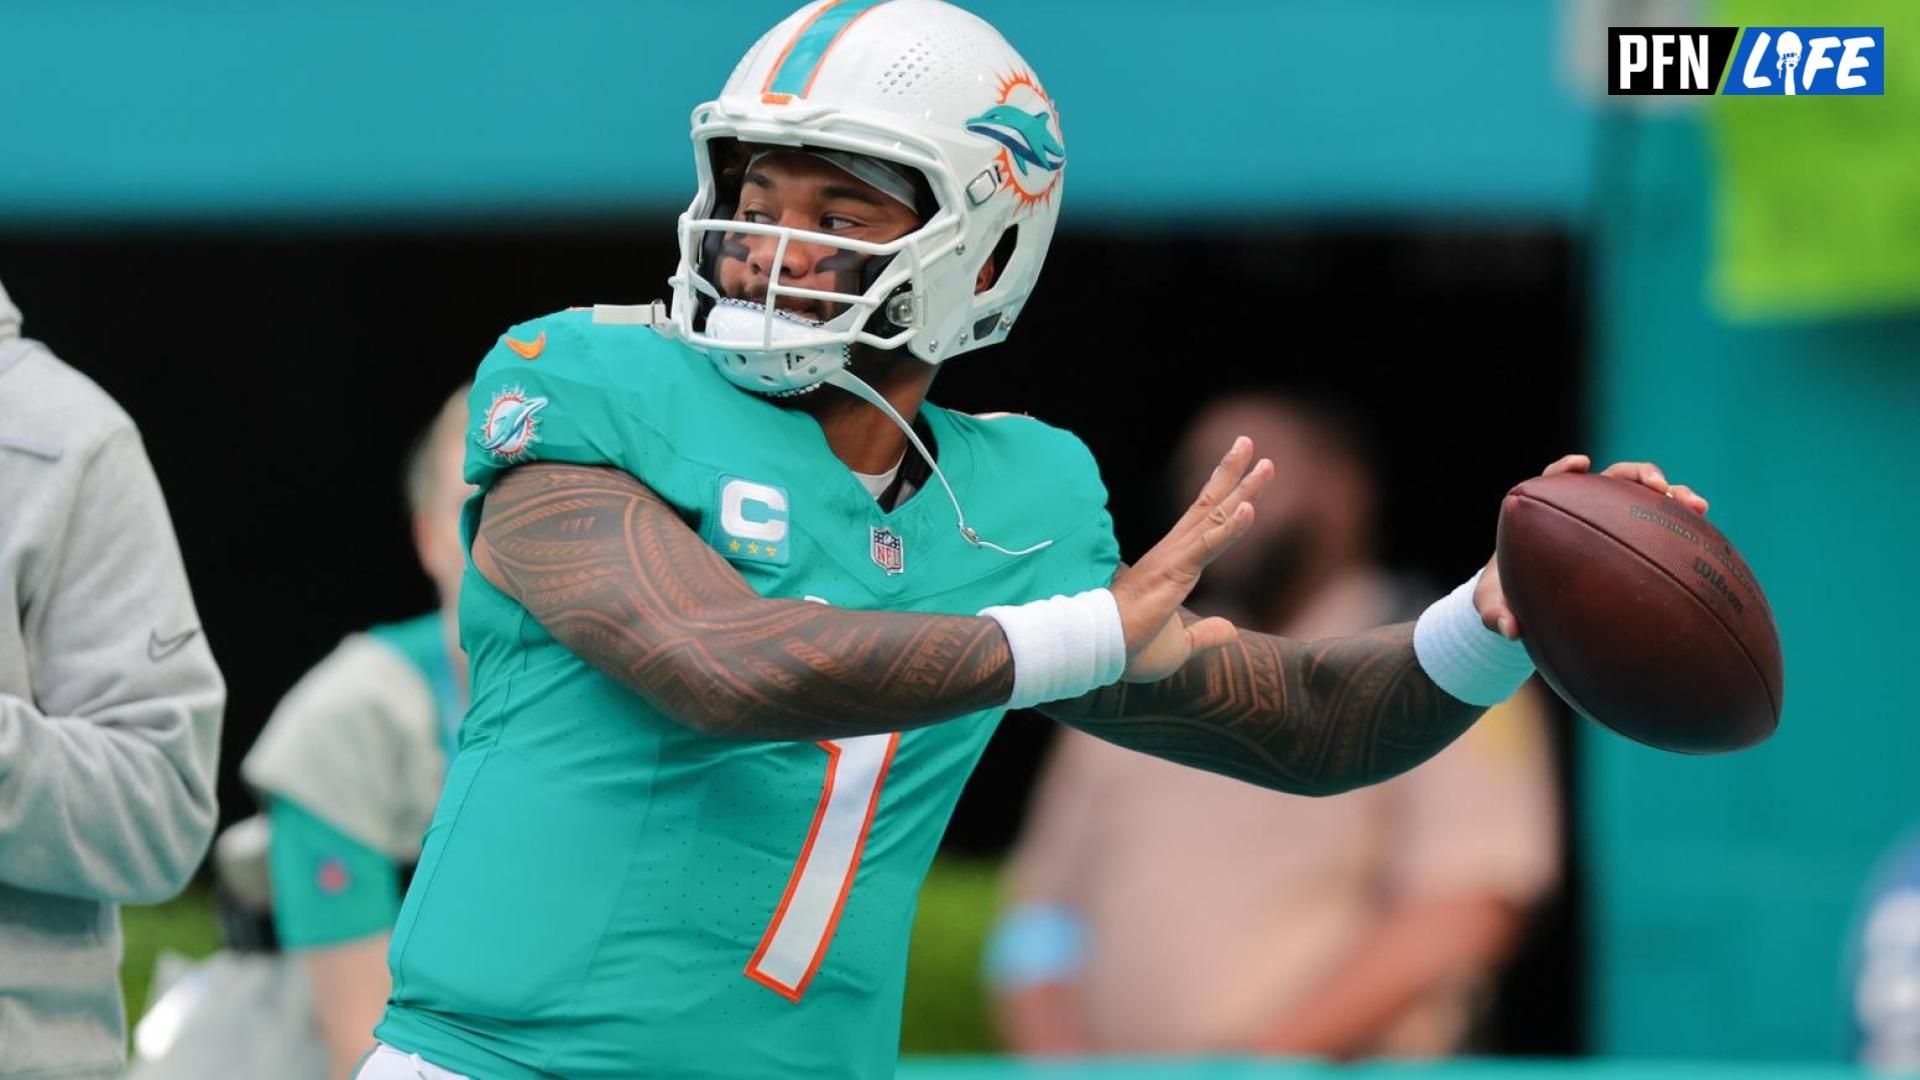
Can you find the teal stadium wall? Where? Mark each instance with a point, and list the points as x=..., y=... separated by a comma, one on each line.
x=1721, y=889
x=232, y=110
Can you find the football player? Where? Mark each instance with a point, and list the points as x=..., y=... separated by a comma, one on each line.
x=744, y=607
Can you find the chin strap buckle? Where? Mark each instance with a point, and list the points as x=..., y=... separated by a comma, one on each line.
x=648, y=314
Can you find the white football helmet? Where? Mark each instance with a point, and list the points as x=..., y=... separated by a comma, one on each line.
x=920, y=83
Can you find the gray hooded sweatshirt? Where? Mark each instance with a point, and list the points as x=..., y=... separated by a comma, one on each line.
x=110, y=710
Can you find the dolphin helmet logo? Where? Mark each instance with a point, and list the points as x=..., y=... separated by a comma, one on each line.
x=1025, y=135
x=510, y=429
x=1024, y=121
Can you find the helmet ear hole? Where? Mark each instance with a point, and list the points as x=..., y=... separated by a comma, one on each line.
x=996, y=265
x=994, y=325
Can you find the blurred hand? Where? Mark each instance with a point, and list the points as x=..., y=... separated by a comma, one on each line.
x=1042, y=1020
x=1491, y=601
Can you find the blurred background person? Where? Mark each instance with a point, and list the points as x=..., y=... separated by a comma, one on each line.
x=1885, y=965
x=348, y=770
x=1163, y=910
x=110, y=709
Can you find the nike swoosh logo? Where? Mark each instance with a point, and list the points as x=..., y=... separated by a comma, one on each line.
x=159, y=648
x=528, y=350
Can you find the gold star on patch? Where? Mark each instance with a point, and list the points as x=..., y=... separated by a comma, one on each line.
x=770, y=552
x=733, y=545
x=753, y=549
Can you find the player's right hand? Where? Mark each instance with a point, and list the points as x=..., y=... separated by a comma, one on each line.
x=1150, y=592
x=1491, y=599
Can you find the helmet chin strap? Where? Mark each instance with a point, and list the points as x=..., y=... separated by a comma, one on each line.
x=747, y=319
x=853, y=384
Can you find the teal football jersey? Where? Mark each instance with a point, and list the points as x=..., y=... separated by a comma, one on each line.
x=605, y=893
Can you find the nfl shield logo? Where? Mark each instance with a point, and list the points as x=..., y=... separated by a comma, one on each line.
x=887, y=552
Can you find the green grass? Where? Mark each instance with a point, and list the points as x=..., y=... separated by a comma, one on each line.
x=945, y=1011
x=946, y=1006
x=184, y=924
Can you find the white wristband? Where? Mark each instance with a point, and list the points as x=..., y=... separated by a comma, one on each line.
x=1063, y=647
x=1463, y=657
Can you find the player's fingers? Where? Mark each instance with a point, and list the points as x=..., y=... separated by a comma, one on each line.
x=1499, y=618
x=1247, y=491
x=1569, y=463
x=1169, y=572
x=1640, y=472
x=1209, y=634
x=1221, y=536
x=1688, y=498
x=1490, y=600
x=1221, y=483
x=1222, y=523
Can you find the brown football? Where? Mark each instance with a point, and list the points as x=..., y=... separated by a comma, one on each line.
x=1640, y=614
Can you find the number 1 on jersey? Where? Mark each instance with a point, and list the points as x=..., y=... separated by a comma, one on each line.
x=796, y=940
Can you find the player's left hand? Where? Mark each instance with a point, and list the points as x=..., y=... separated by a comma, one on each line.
x=1488, y=597
x=1149, y=593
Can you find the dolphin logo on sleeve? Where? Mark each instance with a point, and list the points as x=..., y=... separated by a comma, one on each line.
x=510, y=429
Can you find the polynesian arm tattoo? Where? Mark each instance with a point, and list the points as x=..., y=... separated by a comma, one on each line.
x=1308, y=717
x=614, y=574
